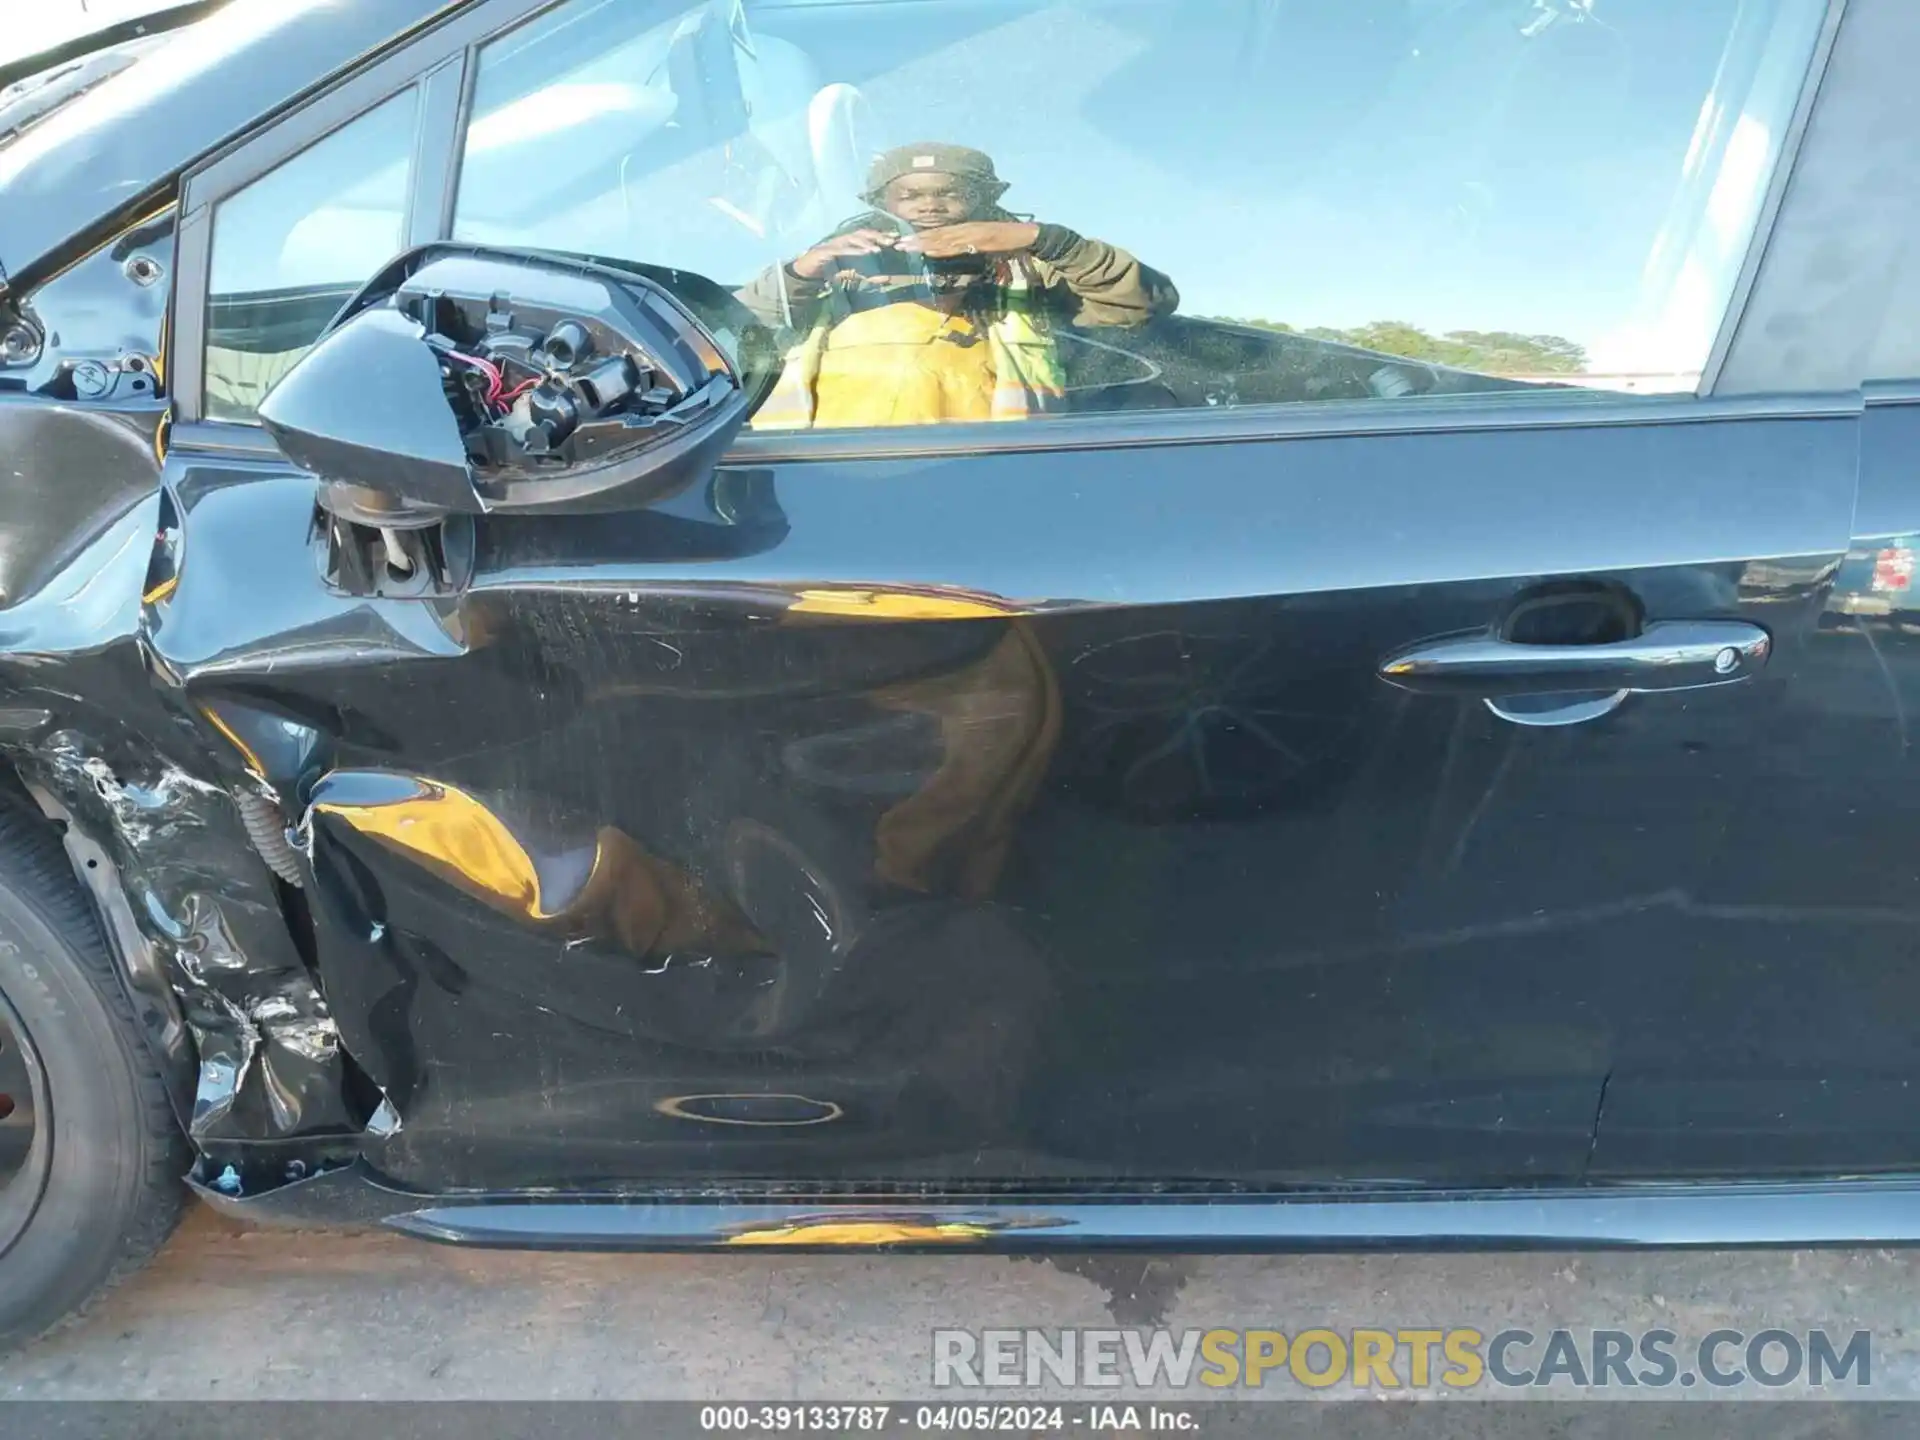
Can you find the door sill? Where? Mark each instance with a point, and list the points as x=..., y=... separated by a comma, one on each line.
x=1877, y=1210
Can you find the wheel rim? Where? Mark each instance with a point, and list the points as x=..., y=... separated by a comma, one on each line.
x=23, y=1109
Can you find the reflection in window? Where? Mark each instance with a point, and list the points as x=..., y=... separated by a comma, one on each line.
x=1262, y=202
x=289, y=248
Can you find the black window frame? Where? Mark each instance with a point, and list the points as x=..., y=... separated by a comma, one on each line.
x=443, y=62
x=437, y=62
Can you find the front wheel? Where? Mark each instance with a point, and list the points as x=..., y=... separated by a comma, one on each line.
x=90, y=1154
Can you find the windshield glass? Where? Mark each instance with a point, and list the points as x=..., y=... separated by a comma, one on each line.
x=27, y=102
x=57, y=30
x=48, y=25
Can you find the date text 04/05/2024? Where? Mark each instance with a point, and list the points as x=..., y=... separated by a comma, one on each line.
x=965, y=1418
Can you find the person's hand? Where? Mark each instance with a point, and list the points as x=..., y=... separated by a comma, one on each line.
x=974, y=237
x=819, y=260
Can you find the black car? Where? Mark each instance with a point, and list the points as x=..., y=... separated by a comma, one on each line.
x=1373, y=753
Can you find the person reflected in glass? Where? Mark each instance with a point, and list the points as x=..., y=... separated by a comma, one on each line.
x=939, y=304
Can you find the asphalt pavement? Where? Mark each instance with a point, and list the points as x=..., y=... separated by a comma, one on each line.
x=230, y=1313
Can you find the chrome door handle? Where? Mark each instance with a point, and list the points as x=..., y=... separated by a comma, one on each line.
x=1667, y=655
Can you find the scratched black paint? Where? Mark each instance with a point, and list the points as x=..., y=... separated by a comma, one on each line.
x=1088, y=890
x=991, y=822
x=1055, y=888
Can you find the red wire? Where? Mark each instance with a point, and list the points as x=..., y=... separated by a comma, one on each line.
x=487, y=368
x=497, y=393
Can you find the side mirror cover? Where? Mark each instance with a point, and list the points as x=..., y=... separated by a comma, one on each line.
x=467, y=379
x=366, y=409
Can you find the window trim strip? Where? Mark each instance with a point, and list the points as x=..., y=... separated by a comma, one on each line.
x=1290, y=421
x=436, y=139
x=1252, y=424
x=187, y=322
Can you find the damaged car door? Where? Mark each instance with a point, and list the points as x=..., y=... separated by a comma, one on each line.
x=1213, y=798
x=671, y=820
x=554, y=680
x=458, y=383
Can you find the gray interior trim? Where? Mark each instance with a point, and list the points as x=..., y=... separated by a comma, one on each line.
x=1836, y=298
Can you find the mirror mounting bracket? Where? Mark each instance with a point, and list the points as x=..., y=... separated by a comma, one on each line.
x=389, y=562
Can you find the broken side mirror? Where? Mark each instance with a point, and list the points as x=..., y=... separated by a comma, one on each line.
x=468, y=380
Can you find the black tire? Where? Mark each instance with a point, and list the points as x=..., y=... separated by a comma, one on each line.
x=107, y=1155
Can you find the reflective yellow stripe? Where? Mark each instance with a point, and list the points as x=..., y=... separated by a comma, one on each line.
x=790, y=405
x=868, y=1232
x=896, y=605
x=1028, y=374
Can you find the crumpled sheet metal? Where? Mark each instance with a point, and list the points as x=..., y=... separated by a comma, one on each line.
x=271, y=1067
x=94, y=719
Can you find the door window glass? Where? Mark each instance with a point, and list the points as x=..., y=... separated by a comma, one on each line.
x=289, y=248
x=1006, y=209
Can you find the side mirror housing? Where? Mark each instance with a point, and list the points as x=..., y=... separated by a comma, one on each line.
x=468, y=380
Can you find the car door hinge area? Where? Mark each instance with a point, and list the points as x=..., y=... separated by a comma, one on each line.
x=395, y=562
